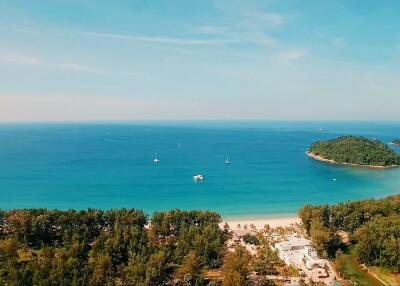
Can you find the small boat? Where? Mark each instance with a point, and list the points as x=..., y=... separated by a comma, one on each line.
x=156, y=160
x=227, y=162
x=320, y=129
x=334, y=179
x=197, y=178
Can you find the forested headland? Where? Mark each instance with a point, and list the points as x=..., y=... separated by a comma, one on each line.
x=355, y=150
x=373, y=227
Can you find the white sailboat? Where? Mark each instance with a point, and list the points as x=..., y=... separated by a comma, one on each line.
x=227, y=162
x=156, y=160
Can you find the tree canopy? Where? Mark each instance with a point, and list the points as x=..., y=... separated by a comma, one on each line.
x=356, y=150
x=374, y=226
x=378, y=242
x=237, y=267
x=115, y=247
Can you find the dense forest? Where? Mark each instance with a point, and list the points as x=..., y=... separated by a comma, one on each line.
x=121, y=247
x=356, y=150
x=178, y=248
x=373, y=226
x=93, y=247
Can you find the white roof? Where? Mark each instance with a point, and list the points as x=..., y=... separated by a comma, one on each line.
x=294, y=242
x=318, y=261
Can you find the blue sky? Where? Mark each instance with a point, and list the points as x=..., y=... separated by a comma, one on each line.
x=129, y=60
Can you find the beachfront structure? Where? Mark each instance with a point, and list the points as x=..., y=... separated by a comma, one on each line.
x=293, y=243
x=298, y=251
x=238, y=234
x=292, y=250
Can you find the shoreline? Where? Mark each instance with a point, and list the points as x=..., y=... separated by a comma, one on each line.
x=259, y=223
x=330, y=161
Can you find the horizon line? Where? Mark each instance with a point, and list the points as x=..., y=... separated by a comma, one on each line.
x=193, y=120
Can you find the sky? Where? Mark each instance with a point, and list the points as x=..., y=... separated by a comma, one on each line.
x=83, y=60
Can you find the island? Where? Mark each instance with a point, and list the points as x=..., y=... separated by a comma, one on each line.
x=357, y=151
x=396, y=142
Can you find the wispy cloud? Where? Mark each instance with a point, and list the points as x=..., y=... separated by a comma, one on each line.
x=249, y=13
x=31, y=60
x=291, y=55
x=202, y=36
x=245, y=22
x=22, y=59
x=155, y=39
x=149, y=39
x=260, y=39
x=222, y=36
x=78, y=67
x=339, y=42
x=212, y=29
x=267, y=19
x=235, y=34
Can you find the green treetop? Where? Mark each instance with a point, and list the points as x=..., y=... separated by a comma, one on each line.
x=356, y=150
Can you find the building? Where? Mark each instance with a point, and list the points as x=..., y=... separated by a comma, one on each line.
x=293, y=243
x=237, y=235
x=298, y=251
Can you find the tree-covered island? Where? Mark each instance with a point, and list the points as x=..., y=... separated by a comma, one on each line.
x=354, y=150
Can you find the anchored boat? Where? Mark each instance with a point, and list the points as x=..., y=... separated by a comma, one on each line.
x=197, y=178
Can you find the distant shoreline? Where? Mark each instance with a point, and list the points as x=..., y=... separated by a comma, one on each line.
x=320, y=158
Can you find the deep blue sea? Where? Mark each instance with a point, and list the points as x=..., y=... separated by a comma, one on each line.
x=111, y=166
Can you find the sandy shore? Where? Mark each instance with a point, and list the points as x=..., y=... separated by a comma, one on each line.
x=319, y=158
x=260, y=222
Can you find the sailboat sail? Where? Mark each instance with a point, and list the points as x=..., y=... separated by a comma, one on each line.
x=156, y=160
x=227, y=160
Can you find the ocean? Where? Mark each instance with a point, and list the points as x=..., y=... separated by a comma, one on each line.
x=110, y=165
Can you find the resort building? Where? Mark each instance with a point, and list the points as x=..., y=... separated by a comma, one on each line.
x=298, y=251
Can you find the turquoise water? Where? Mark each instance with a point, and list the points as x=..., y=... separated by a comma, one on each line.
x=111, y=166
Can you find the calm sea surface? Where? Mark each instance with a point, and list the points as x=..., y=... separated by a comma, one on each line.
x=111, y=166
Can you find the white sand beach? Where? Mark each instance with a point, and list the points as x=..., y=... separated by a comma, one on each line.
x=261, y=222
